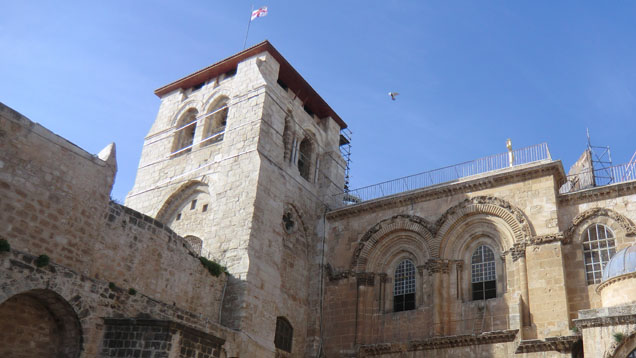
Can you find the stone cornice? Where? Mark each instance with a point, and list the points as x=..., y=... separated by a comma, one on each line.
x=439, y=343
x=462, y=186
x=606, y=316
x=598, y=193
x=562, y=344
x=612, y=280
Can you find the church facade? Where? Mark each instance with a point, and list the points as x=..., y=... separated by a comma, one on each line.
x=241, y=239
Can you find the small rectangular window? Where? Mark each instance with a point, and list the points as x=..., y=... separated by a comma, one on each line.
x=178, y=216
x=193, y=204
x=205, y=208
x=230, y=73
x=309, y=111
x=197, y=86
x=282, y=84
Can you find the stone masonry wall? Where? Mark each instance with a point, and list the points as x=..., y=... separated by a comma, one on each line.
x=55, y=201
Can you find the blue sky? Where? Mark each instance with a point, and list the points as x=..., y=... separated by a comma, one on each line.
x=470, y=73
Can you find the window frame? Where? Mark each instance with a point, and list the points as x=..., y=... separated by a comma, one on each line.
x=594, y=269
x=284, y=334
x=486, y=267
x=406, y=300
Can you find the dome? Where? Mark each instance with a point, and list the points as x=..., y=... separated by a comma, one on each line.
x=621, y=263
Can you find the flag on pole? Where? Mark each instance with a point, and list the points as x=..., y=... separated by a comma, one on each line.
x=259, y=13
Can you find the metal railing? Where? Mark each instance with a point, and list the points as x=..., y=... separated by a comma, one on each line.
x=598, y=177
x=525, y=155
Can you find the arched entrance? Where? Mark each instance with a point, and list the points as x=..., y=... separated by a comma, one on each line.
x=39, y=323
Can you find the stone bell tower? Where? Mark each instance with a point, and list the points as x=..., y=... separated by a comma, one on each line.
x=243, y=160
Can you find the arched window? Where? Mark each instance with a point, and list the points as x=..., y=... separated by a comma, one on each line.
x=185, y=132
x=598, y=248
x=483, y=273
x=404, y=287
x=284, y=334
x=215, y=124
x=304, y=158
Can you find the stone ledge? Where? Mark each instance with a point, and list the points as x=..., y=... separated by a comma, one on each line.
x=562, y=344
x=440, y=342
x=599, y=193
x=606, y=316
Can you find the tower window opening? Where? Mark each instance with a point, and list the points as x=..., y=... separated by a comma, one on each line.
x=193, y=204
x=304, y=158
x=230, y=73
x=186, y=128
x=198, y=86
x=178, y=217
x=216, y=123
x=282, y=84
x=205, y=208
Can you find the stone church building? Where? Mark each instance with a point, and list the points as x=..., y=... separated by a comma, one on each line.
x=505, y=256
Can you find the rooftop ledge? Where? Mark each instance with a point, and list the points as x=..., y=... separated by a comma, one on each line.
x=462, y=185
x=511, y=161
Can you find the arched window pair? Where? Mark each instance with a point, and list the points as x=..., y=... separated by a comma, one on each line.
x=483, y=279
x=213, y=128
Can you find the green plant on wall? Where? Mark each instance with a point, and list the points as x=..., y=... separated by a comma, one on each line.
x=42, y=261
x=4, y=246
x=214, y=268
x=112, y=285
x=132, y=291
x=618, y=336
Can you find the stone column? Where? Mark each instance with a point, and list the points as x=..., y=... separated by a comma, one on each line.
x=518, y=254
x=439, y=269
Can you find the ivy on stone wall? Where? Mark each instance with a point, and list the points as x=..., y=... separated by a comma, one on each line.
x=214, y=268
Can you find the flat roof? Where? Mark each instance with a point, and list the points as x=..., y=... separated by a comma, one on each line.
x=287, y=74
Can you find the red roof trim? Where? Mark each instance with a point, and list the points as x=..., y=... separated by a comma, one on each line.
x=287, y=74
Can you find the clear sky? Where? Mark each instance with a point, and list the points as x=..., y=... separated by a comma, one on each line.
x=470, y=73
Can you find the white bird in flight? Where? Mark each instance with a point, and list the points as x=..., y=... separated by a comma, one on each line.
x=393, y=94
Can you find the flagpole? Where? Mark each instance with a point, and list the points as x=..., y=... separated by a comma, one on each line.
x=248, y=26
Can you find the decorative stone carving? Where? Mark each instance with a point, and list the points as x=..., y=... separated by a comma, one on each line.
x=375, y=233
x=628, y=226
x=562, y=344
x=336, y=275
x=513, y=216
x=548, y=238
x=517, y=251
x=437, y=266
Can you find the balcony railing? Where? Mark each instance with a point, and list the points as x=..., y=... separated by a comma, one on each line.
x=598, y=177
x=525, y=155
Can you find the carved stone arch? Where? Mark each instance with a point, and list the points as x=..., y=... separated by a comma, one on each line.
x=422, y=229
x=615, y=221
x=186, y=190
x=514, y=218
x=624, y=347
x=214, y=97
x=185, y=107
